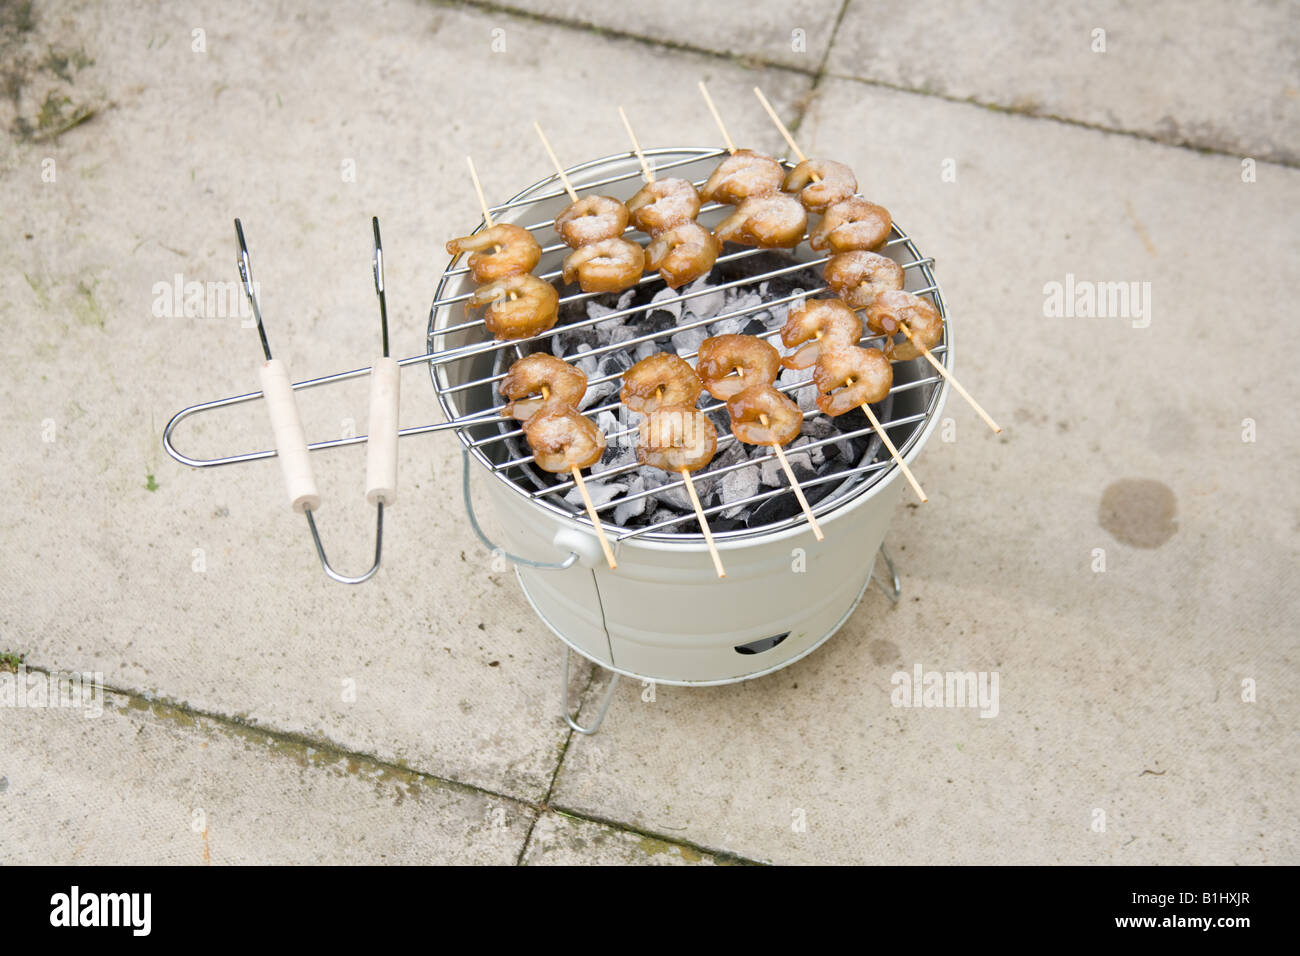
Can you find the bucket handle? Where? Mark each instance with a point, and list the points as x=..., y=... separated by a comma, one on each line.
x=568, y=562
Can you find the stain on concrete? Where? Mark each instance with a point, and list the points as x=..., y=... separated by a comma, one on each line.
x=883, y=651
x=1139, y=512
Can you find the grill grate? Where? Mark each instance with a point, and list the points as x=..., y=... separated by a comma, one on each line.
x=465, y=364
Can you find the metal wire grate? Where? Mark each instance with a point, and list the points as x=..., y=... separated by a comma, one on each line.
x=466, y=364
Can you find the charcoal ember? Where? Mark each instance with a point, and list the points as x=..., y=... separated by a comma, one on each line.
x=736, y=486
x=721, y=523
x=688, y=340
x=758, y=326
x=805, y=396
x=705, y=303
x=671, y=303
x=600, y=491
x=611, y=367
x=777, y=508
x=645, y=350
x=627, y=510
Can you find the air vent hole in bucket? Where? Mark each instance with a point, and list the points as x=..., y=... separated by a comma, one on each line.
x=762, y=644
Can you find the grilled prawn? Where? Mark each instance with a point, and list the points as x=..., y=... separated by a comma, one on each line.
x=775, y=221
x=513, y=251
x=562, y=438
x=851, y=224
x=537, y=375
x=761, y=415
x=591, y=219
x=757, y=363
x=820, y=183
x=821, y=323
x=517, y=306
x=663, y=204
x=682, y=254
x=848, y=377
x=609, y=265
x=859, y=276
x=660, y=379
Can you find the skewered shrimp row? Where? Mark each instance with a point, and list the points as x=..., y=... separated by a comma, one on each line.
x=851, y=228
x=680, y=248
x=742, y=370
x=765, y=216
x=846, y=375
x=544, y=392
x=516, y=304
x=601, y=260
x=674, y=435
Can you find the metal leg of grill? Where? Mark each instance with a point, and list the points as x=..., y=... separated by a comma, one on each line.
x=895, y=587
x=604, y=703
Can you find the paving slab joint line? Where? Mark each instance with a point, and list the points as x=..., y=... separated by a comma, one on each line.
x=722, y=856
x=583, y=26
x=820, y=73
x=158, y=705
x=564, y=750
x=155, y=703
x=1057, y=118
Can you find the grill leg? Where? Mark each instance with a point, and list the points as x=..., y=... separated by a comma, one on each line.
x=895, y=586
x=604, y=703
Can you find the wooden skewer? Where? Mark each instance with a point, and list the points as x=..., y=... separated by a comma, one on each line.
x=893, y=452
x=794, y=147
x=952, y=381
x=794, y=485
x=704, y=523
x=717, y=118
x=591, y=505
x=595, y=518
x=478, y=188
x=789, y=474
x=646, y=171
x=564, y=177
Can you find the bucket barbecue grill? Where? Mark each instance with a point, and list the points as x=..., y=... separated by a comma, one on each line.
x=663, y=615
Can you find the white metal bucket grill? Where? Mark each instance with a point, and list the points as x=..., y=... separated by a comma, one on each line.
x=450, y=382
x=662, y=615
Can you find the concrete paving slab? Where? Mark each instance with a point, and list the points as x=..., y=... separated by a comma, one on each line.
x=560, y=840
x=795, y=33
x=1120, y=555
x=1212, y=76
x=200, y=586
x=149, y=784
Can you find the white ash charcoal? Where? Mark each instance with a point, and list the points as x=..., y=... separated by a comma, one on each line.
x=676, y=497
x=688, y=340
x=632, y=509
x=625, y=299
x=743, y=300
x=674, y=308
x=818, y=428
x=596, y=310
x=737, y=485
x=730, y=326
x=771, y=473
x=645, y=350
x=798, y=456
x=600, y=491
x=707, y=303
x=621, y=332
x=806, y=395
x=598, y=394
